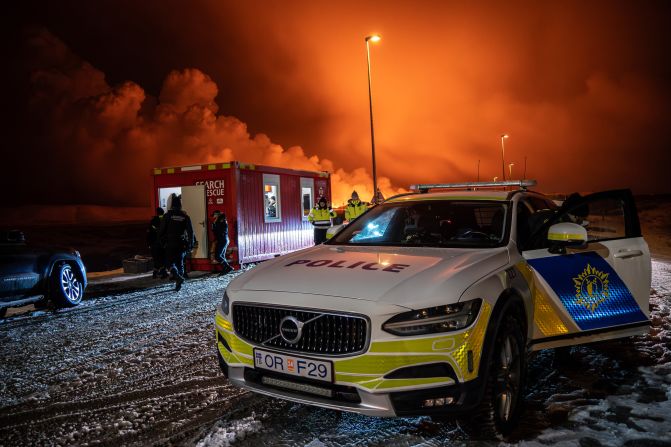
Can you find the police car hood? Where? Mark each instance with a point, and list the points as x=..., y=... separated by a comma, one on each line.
x=395, y=275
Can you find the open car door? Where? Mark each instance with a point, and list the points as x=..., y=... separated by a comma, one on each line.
x=593, y=288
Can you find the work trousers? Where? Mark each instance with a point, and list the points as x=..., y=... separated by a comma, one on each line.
x=158, y=255
x=220, y=252
x=320, y=235
x=175, y=255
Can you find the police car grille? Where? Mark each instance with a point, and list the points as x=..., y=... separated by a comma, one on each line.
x=330, y=334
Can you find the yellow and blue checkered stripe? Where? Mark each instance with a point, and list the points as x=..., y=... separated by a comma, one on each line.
x=589, y=289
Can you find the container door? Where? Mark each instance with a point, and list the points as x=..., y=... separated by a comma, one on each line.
x=193, y=202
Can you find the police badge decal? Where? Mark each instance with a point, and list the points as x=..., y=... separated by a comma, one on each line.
x=591, y=287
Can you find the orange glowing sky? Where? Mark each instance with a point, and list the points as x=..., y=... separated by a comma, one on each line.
x=582, y=88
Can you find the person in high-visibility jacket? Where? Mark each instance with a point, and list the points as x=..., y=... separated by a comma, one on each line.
x=355, y=207
x=320, y=217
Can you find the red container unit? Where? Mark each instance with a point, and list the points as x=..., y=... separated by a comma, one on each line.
x=266, y=207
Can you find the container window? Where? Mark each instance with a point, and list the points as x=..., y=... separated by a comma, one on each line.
x=307, y=196
x=271, y=198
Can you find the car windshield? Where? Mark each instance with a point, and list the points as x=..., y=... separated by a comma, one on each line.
x=435, y=223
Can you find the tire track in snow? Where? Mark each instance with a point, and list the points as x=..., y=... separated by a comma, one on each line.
x=128, y=369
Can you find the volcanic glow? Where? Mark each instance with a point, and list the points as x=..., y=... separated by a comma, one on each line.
x=581, y=89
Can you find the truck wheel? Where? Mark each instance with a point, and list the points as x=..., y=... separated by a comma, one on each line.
x=66, y=289
x=501, y=405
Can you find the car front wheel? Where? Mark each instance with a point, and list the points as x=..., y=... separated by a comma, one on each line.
x=66, y=289
x=501, y=405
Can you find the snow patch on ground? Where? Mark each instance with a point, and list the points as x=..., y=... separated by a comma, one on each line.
x=630, y=419
x=224, y=433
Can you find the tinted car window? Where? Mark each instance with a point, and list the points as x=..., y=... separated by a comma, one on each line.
x=439, y=223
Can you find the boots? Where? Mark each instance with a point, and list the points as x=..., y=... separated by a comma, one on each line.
x=179, y=279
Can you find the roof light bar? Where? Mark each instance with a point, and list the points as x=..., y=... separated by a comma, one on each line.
x=472, y=185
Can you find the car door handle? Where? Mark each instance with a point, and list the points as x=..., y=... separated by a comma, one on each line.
x=626, y=254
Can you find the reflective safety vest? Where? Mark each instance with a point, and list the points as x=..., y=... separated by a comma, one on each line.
x=355, y=209
x=321, y=217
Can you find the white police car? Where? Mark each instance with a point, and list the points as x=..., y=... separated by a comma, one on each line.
x=429, y=303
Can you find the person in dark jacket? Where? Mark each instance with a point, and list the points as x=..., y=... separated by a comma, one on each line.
x=220, y=230
x=176, y=233
x=155, y=246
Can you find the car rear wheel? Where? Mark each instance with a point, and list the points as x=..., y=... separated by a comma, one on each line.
x=502, y=403
x=66, y=289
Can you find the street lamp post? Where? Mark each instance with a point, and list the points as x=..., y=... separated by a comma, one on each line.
x=478, y=170
x=510, y=168
x=503, y=151
x=372, y=38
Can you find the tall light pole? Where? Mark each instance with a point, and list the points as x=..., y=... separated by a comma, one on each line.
x=372, y=38
x=510, y=169
x=503, y=151
x=478, y=170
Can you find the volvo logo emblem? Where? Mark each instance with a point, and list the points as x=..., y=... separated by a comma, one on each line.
x=291, y=329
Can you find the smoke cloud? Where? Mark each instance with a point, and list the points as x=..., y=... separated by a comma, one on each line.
x=103, y=140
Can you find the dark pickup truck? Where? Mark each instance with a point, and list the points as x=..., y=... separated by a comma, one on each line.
x=37, y=274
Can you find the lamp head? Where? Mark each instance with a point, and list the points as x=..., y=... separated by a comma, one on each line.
x=505, y=135
x=373, y=38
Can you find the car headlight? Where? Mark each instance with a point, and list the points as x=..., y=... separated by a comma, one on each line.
x=225, y=303
x=451, y=317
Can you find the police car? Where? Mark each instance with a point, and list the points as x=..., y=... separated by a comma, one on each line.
x=430, y=303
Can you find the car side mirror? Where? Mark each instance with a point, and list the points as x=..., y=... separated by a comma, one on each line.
x=566, y=234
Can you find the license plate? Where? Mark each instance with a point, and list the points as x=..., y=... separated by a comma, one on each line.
x=292, y=365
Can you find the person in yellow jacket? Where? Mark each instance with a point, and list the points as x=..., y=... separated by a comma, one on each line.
x=355, y=207
x=320, y=217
